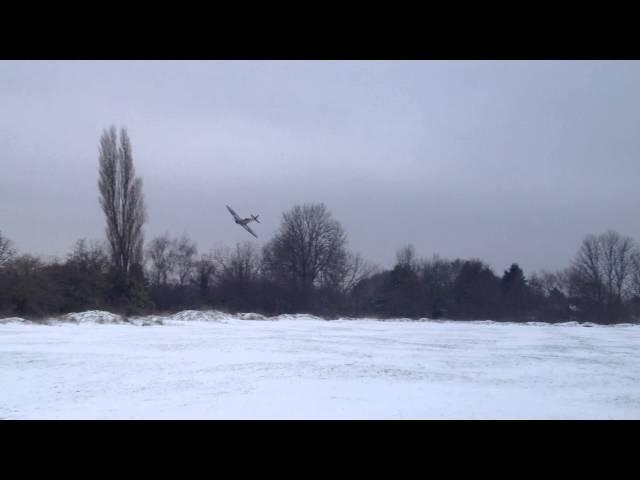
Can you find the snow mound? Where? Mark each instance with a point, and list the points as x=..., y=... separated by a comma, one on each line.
x=296, y=316
x=93, y=316
x=252, y=316
x=12, y=320
x=147, y=321
x=199, y=316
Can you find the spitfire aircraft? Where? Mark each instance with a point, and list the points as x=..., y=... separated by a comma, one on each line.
x=244, y=221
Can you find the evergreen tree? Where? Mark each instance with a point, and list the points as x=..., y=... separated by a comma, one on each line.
x=515, y=293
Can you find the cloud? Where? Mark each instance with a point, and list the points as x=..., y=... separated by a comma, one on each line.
x=508, y=161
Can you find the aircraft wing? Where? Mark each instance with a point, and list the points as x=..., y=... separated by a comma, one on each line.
x=235, y=215
x=249, y=230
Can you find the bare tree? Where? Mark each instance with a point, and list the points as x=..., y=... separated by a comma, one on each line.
x=544, y=282
x=357, y=269
x=308, y=248
x=30, y=288
x=602, y=273
x=635, y=275
x=184, y=259
x=84, y=276
x=122, y=200
x=239, y=265
x=438, y=276
x=204, y=271
x=587, y=278
x=618, y=261
x=160, y=253
x=6, y=249
x=238, y=276
x=406, y=257
x=90, y=257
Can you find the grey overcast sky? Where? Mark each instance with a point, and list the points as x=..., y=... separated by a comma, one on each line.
x=506, y=161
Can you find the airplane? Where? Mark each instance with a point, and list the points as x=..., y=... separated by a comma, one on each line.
x=244, y=221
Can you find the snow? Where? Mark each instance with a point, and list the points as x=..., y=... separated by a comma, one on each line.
x=210, y=364
x=93, y=316
x=196, y=315
x=253, y=316
x=12, y=320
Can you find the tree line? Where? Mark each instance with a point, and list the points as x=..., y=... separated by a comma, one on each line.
x=305, y=268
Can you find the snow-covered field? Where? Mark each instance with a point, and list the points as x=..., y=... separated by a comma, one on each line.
x=211, y=365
